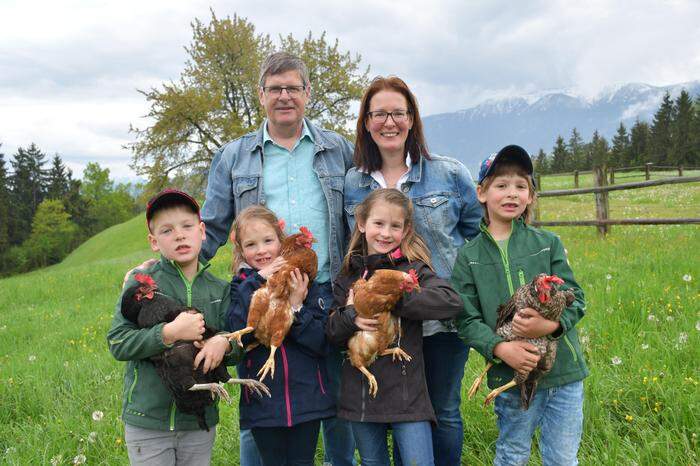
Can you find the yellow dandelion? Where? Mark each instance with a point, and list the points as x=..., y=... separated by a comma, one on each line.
x=119, y=441
x=629, y=418
x=645, y=380
x=654, y=379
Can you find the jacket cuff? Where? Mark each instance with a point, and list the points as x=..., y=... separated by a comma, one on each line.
x=158, y=329
x=489, y=349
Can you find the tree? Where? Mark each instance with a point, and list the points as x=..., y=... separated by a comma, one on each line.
x=105, y=205
x=682, y=145
x=52, y=234
x=639, y=143
x=57, y=179
x=28, y=189
x=695, y=134
x=620, y=153
x=598, y=151
x=577, y=154
x=4, y=206
x=541, y=164
x=660, y=140
x=560, y=157
x=216, y=97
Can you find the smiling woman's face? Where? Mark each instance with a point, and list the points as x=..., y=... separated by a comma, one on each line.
x=389, y=135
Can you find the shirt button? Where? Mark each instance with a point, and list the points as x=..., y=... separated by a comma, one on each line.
x=433, y=200
x=293, y=201
x=291, y=178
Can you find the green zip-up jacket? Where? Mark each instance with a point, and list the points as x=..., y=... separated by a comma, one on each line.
x=146, y=401
x=486, y=276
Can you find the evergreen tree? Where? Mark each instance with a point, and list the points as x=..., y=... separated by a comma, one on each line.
x=4, y=206
x=577, y=153
x=681, y=151
x=58, y=179
x=639, y=143
x=695, y=135
x=541, y=163
x=620, y=153
x=598, y=151
x=560, y=157
x=660, y=143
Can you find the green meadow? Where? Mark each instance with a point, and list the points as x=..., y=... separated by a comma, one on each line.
x=60, y=389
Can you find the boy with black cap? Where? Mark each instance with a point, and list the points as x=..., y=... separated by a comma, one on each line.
x=506, y=254
x=156, y=432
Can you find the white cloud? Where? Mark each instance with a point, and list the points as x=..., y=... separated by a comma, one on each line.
x=69, y=69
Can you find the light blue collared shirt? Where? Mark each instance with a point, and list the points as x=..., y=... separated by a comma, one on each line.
x=294, y=193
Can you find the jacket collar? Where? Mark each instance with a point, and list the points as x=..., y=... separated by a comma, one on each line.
x=321, y=142
x=171, y=267
x=414, y=174
x=359, y=263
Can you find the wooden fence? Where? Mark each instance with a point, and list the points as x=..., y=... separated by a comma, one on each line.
x=613, y=172
x=601, y=190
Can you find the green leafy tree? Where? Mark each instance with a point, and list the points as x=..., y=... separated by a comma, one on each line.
x=106, y=206
x=4, y=206
x=577, y=152
x=660, y=141
x=560, y=157
x=216, y=99
x=681, y=127
x=639, y=143
x=52, y=234
x=620, y=152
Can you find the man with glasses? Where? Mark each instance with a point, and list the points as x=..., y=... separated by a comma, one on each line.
x=297, y=170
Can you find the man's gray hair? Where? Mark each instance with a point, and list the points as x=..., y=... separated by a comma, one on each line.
x=281, y=62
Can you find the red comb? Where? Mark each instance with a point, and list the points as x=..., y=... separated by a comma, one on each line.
x=145, y=279
x=553, y=279
x=149, y=286
x=305, y=231
x=414, y=276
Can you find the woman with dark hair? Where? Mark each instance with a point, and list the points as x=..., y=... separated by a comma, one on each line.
x=391, y=152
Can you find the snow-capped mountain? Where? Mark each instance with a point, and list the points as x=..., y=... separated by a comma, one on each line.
x=534, y=121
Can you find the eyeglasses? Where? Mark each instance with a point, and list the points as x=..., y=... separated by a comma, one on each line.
x=276, y=91
x=380, y=116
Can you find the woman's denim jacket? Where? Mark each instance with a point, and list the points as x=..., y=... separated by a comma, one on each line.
x=235, y=182
x=447, y=211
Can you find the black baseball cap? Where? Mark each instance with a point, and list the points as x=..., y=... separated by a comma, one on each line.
x=170, y=196
x=513, y=154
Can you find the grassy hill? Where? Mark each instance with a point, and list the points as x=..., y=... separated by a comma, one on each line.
x=641, y=338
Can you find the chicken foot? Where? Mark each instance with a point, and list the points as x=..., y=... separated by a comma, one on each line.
x=396, y=353
x=478, y=380
x=238, y=335
x=214, y=388
x=253, y=385
x=371, y=380
x=269, y=366
x=497, y=391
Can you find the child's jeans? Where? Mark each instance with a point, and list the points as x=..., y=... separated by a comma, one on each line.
x=413, y=438
x=148, y=447
x=557, y=411
x=249, y=454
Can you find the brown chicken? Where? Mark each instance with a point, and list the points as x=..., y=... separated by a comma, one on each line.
x=541, y=295
x=377, y=297
x=270, y=314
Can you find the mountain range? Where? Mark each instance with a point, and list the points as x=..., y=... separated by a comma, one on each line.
x=534, y=121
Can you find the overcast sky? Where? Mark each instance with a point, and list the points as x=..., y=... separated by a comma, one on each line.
x=69, y=70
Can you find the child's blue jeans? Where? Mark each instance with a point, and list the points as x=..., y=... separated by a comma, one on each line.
x=413, y=438
x=557, y=411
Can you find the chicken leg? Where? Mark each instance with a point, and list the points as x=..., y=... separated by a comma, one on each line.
x=478, y=380
x=497, y=391
x=371, y=380
x=396, y=353
x=253, y=385
x=238, y=335
x=214, y=388
x=269, y=366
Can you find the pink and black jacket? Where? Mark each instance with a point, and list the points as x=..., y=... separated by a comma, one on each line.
x=299, y=388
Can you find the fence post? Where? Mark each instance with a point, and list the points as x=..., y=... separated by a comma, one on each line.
x=601, y=200
x=680, y=170
x=647, y=168
x=538, y=181
x=612, y=175
x=575, y=178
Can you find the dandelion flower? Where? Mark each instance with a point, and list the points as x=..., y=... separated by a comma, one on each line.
x=608, y=277
x=92, y=436
x=56, y=460
x=683, y=338
x=669, y=318
x=652, y=318
x=97, y=415
x=616, y=361
x=32, y=358
x=629, y=418
x=687, y=277
x=645, y=346
x=80, y=459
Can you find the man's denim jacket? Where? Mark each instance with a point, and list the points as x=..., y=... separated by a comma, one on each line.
x=235, y=182
x=447, y=211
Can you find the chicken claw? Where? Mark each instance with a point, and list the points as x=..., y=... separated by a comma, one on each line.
x=497, y=391
x=371, y=381
x=238, y=335
x=397, y=353
x=478, y=380
x=253, y=385
x=269, y=366
x=214, y=388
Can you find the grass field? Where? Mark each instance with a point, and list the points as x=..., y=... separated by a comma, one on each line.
x=60, y=389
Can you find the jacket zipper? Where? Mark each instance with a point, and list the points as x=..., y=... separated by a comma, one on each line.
x=172, y=415
x=571, y=348
x=133, y=384
x=287, y=400
x=504, y=259
x=521, y=277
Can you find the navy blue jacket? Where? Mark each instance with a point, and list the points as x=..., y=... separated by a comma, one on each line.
x=299, y=388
